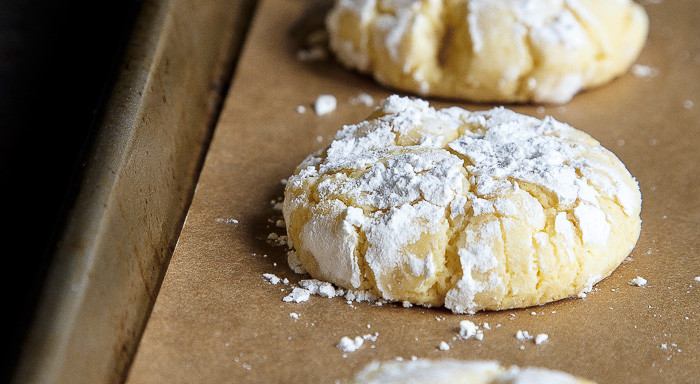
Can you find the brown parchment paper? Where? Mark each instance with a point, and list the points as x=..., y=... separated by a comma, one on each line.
x=217, y=320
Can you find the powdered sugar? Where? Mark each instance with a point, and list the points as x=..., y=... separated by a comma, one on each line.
x=298, y=295
x=640, y=70
x=320, y=288
x=325, y=104
x=523, y=335
x=467, y=329
x=347, y=344
x=638, y=281
x=449, y=371
x=541, y=338
x=389, y=182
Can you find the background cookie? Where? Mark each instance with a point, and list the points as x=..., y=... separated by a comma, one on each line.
x=471, y=210
x=482, y=50
x=455, y=371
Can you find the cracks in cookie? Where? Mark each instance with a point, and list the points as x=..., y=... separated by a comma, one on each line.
x=525, y=87
x=444, y=46
x=547, y=199
x=368, y=278
x=506, y=266
x=467, y=161
x=601, y=51
x=452, y=262
x=456, y=38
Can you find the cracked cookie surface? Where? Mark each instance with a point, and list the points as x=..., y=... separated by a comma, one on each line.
x=470, y=210
x=485, y=50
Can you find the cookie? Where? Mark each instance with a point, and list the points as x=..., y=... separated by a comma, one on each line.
x=485, y=50
x=470, y=210
x=456, y=371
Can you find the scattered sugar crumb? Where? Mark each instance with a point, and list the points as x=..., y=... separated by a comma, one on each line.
x=589, y=287
x=479, y=335
x=298, y=295
x=325, y=104
x=347, y=344
x=688, y=104
x=294, y=315
x=444, y=346
x=280, y=224
x=320, y=288
x=371, y=336
x=277, y=240
x=363, y=98
x=523, y=335
x=319, y=139
x=697, y=278
x=467, y=329
x=640, y=70
x=541, y=338
x=272, y=278
x=407, y=304
x=638, y=281
x=227, y=221
x=301, y=109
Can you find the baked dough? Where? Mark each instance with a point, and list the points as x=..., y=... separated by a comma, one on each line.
x=489, y=50
x=470, y=210
x=458, y=372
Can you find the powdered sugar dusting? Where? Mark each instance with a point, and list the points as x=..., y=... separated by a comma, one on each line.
x=453, y=371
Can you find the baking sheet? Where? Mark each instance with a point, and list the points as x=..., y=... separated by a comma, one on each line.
x=217, y=319
x=139, y=174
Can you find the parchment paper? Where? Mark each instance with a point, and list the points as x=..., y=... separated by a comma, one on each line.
x=218, y=320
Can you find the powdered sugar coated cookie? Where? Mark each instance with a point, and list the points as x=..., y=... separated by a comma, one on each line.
x=470, y=210
x=486, y=50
